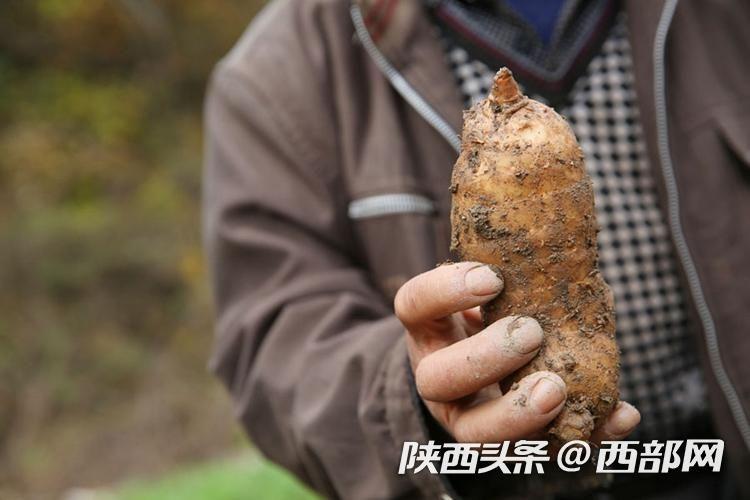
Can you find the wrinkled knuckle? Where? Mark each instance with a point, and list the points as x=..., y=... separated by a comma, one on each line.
x=461, y=433
x=399, y=302
x=423, y=380
x=405, y=304
x=458, y=432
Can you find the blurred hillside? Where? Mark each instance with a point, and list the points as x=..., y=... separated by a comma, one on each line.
x=106, y=319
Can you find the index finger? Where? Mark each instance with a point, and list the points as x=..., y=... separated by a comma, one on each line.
x=440, y=292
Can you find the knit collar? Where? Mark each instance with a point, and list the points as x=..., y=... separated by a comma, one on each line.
x=496, y=35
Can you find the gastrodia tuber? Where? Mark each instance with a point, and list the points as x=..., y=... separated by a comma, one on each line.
x=522, y=201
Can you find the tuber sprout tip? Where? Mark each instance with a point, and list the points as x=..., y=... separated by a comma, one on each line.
x=505, y=89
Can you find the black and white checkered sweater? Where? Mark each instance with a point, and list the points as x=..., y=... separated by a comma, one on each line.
x=660, y=373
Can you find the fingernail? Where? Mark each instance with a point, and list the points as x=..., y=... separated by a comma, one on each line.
x=525, y=335
x=482, y=280
x=624, y=419
x=547, y=395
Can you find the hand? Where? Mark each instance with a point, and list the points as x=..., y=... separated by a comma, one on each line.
x=458, y=363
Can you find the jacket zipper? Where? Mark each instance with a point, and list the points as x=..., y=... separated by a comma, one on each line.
x=411, y=96
x=401, y=85
x=673, y=203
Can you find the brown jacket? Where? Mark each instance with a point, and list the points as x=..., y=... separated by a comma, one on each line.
x=330, y=143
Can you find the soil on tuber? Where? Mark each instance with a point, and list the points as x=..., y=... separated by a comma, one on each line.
x=522, y=201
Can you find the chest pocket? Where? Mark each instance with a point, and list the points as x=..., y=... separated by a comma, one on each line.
x=400, y=235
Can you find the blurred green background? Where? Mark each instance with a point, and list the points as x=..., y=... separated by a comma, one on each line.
x=106, y=318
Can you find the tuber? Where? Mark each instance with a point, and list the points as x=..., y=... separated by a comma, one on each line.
x=523, y=202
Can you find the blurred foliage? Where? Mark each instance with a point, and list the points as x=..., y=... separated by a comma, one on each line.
x=238, y=479
x=106, y=319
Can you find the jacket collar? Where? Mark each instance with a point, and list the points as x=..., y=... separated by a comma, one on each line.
x=403, y=33
x=392, y=24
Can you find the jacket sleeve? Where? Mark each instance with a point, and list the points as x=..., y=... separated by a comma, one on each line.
x=312, y=355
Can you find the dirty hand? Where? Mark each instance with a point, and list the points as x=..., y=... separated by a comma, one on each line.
x=458, y=363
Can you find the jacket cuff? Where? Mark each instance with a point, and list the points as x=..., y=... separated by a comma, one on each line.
x=407, y=421
x=410, y=420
